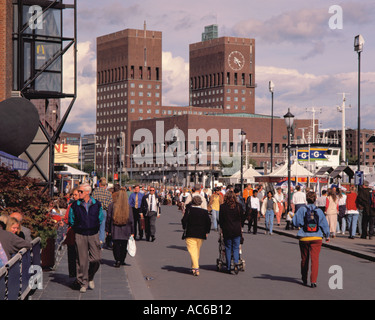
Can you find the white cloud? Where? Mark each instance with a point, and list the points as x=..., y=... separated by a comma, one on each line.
x=303, y=91
x=82, y=116
x=175, y=80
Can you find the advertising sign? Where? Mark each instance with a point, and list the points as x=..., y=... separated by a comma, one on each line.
x=316, y=154
x=66, y=153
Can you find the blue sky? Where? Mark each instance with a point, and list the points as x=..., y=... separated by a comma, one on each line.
x=309, y=62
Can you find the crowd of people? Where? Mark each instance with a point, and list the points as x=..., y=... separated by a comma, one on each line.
x=106, y=218
x=90, y=220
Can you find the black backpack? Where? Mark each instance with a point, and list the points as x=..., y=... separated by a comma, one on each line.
x=311, y=221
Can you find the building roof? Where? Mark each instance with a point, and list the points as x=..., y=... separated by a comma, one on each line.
x=244, y=115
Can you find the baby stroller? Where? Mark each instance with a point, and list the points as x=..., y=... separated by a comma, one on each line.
x=222, y=262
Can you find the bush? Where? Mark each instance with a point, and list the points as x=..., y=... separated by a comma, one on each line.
x=24, y=195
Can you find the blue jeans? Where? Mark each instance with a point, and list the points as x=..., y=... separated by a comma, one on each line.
x=352, y=222
x=102, y=227
x=215, y=218
x=232, y=244
x=269, y=220
x=341, y=226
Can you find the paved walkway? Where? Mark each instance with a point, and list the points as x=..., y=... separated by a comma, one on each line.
x=363, y=248
x=124, y=283
x=128, y=283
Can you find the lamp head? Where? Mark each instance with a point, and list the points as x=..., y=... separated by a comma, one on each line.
x=242, y=135
x=271, y=86
x=289, y=119
x=358, y=43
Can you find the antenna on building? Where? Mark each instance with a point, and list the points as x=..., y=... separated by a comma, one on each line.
x=313, y=110
x=145, y=47
x=303, y=140
x=343, y=135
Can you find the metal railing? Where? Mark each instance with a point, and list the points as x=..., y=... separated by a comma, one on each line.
x=22, y=273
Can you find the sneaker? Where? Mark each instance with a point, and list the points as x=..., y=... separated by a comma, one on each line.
x=82, y=290
x=92, y=285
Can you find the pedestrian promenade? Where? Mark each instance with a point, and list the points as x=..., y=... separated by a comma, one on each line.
x=128, y=282
x=363, y=248
x=124, y=283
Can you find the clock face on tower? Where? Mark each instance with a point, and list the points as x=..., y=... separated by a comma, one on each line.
x=236, y=60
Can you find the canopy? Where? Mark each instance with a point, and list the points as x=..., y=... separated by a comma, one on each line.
x=324, y=171
x=296, y=170
x=12, y=162
x=248, y=175
x=340, y=169
x=73, y=171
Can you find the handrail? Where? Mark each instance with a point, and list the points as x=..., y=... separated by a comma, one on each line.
x=17, y=277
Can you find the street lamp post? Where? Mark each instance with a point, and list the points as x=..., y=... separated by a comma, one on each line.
x=197, y=154
x=289, y=120
x=242, y=137
x=271, y=88
x=358, y=46
x=213, y=149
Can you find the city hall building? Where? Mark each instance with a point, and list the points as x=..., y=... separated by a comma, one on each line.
x=222, y=103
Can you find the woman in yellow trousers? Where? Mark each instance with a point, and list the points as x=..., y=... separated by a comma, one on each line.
x=197, y=224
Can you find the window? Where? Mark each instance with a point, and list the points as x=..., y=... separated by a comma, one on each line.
x=262, y=148
x=277, y=148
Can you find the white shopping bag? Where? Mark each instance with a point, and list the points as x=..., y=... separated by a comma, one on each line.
x=132, y=249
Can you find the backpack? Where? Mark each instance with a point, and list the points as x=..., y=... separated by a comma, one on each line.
x=311, y=221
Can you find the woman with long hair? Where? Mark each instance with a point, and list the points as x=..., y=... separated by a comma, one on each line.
x=13, y=226
x=230, y=217
x=332, y=209
x=269, y=209
x=120, y=225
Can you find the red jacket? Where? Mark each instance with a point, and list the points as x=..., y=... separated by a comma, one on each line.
x=350, y=201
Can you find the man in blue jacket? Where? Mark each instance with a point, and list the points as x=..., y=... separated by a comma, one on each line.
x=85, y=217
x=135, y=201
x=310, y=236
